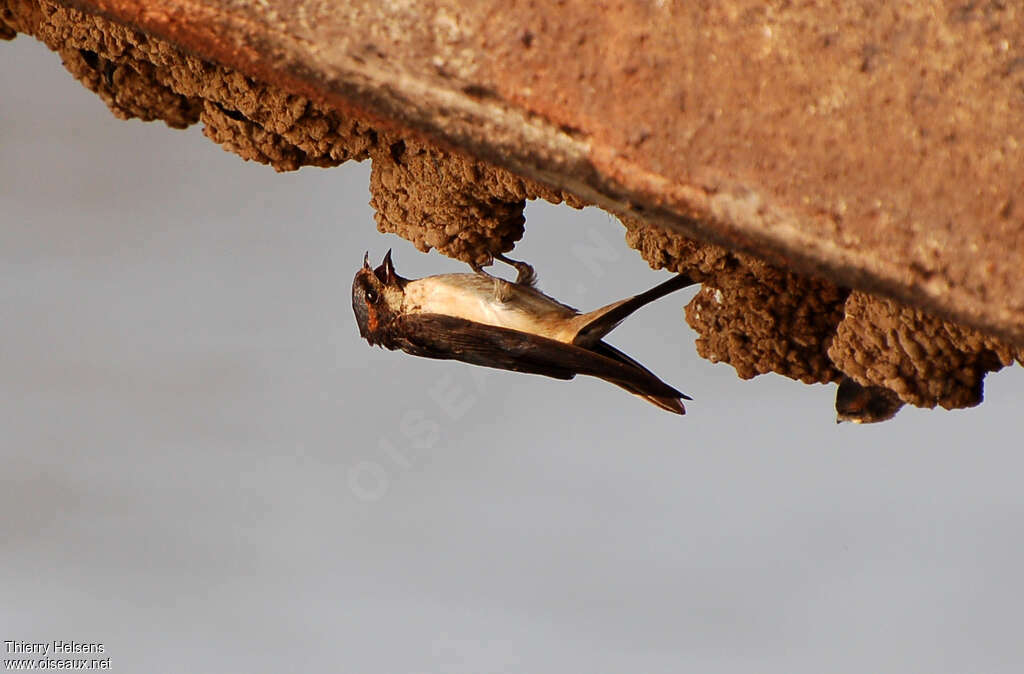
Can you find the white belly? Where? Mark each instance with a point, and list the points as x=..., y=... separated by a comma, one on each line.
x=472, y=297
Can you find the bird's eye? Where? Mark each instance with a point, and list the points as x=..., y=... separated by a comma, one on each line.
x=371, y=295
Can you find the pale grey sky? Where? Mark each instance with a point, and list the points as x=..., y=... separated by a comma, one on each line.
x=203, y=467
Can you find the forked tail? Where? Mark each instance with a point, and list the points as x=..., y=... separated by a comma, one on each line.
x=598, y=323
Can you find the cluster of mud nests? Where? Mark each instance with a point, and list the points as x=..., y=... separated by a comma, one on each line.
x=753, y=315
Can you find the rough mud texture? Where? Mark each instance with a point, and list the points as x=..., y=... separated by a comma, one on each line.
x=130, y=88
x=804, y=173
x=764, y=322
x=252, y=141
x=926, y=361
x=755, y=316
x=462, y=207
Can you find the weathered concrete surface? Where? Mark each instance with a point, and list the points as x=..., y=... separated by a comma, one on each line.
x=784, y=154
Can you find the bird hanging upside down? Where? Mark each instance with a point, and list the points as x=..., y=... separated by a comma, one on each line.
x=484, y=320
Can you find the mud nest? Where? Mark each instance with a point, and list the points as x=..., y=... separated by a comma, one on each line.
x=761, y=318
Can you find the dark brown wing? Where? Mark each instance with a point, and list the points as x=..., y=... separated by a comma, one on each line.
x=670, y=403
x=451, y=338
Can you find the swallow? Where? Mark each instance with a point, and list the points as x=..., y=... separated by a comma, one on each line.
x=865, y=404
x=485, y=320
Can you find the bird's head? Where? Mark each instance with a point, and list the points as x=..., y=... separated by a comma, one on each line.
x=377, y=296
x=865, y=404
